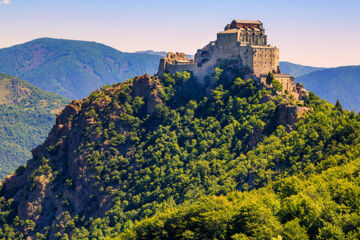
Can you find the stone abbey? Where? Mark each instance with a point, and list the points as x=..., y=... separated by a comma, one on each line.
x=241, y=40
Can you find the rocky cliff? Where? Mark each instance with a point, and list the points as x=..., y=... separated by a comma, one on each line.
x=60, y=168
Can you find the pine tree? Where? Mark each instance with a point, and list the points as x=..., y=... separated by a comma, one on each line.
x=338, y=106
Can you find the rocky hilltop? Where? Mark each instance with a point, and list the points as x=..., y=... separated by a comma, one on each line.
x=138, y=147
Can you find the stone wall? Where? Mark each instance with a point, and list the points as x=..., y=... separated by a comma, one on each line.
x=173, y=68
x=287, y=82
x=265, y=59
x=229, y=37
x=175, y=62
x=258, y=58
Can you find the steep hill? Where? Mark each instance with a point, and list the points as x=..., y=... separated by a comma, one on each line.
x=297, y=70
x=151, y=145
x=73, y=68
x=26, y=116
x=341, y=83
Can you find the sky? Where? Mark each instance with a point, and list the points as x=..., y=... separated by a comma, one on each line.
x=323, y=33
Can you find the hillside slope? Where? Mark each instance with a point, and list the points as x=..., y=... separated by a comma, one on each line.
x=321, y=207
x=136, y=148
x=73, y=68
x=26, y=116
x=341, y=83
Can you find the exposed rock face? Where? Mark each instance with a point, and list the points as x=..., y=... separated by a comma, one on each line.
x=289, y=115
x=44, y=194
x=152, y=102
x=145, y=87
x=142, y=85
x=286, y=115
x=255, y=138
x=31, y=209
x=36, y=188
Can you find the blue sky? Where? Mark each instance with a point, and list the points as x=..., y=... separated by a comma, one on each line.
x=309, y=32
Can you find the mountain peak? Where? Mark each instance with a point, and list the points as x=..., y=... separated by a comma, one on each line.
x=73, y=68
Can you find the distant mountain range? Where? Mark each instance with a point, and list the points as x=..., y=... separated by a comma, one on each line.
x=76, y=68
x=27, y=114
x=341, y=83
x=297, y=70
x=161, y=53
x=73, y=68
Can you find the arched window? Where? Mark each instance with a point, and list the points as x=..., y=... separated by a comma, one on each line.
x=205, y=54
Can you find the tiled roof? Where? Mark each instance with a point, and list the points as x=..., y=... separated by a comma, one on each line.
x=248, y=21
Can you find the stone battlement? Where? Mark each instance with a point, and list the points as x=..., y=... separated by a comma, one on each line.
x=175, y=62
x=178, y=58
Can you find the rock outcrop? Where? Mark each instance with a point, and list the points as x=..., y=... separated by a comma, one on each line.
x=148, y=89
x=59, y=177
x=288, y=115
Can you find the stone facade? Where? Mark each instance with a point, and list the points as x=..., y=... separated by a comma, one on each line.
x=175, y=62
x=244, y=41
x=288, y=84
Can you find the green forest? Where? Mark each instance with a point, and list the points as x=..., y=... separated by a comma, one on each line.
x=209, y=161
x=27, y=114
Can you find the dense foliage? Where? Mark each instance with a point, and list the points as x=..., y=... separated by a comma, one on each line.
x=324, y=207
x=73, y=68
x=336, y=83
x=220, y=140
x=26, y=116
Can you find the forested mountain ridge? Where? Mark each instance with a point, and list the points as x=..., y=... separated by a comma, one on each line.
x=27, y=114
x=151, y=145
x=73, y=68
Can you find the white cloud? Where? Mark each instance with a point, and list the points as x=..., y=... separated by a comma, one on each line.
x=5, y=2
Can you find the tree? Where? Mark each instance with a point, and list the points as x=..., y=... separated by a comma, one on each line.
x=294, y=231
x=338, y=106
x=277, y=85
x=270, y=78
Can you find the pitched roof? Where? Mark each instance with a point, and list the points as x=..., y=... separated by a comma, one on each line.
x=229, y=31
x=248, y=21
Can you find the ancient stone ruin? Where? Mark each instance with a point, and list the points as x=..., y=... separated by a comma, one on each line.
x=244, y=41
